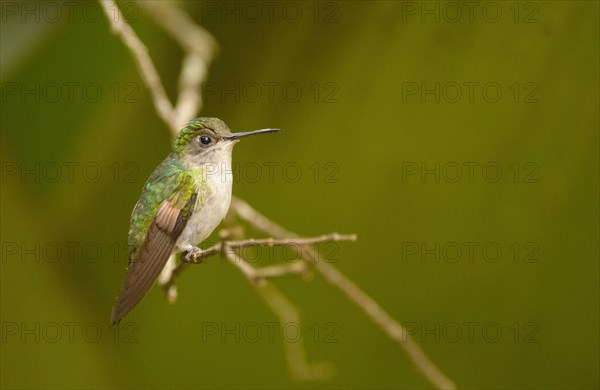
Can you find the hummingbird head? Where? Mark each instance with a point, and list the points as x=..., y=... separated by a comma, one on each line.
x=209, y=140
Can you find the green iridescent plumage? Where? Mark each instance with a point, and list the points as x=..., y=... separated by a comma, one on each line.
x=187, y=134
x=171, y=182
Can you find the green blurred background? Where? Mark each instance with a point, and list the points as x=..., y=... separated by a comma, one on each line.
x=525, y=318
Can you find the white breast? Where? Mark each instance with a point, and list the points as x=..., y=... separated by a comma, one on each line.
x=212, y=204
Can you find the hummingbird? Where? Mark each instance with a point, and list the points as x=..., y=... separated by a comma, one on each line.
x=183, y=201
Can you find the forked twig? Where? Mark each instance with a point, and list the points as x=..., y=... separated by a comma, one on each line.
x=390, y=326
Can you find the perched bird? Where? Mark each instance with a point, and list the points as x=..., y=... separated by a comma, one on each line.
x=183, y=201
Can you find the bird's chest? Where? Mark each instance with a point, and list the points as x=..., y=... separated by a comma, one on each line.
x=212, y=203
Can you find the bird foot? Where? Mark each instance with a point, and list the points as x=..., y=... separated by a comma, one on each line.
x=192, y=255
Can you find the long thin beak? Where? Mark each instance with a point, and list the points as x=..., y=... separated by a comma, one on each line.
x=234, y=136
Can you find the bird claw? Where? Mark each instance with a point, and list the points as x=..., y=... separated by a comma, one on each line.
x=192, y=254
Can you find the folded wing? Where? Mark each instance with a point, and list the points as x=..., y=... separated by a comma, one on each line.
x=152, y=255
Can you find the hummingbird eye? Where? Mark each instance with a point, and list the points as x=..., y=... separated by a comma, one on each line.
x=205, y=140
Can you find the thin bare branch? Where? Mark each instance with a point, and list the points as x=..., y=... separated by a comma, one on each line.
x=199, y=47
x=280, y=270
x=287, y=315
x=143, y=61
x=226, y=247
x=390, y=326
x=297, y=241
